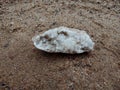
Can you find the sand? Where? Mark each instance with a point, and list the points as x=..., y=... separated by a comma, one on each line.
x=23, y=67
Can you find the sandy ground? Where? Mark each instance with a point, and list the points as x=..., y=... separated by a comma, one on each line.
x=23, y=67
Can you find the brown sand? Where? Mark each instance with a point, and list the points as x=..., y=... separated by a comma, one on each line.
x=23, y=67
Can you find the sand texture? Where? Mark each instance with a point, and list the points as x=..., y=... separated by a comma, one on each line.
x=23, y=67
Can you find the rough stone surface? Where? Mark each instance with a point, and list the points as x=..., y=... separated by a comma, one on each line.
x=64, y=40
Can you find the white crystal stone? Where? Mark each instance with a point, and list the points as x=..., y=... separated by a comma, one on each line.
x=64, y=40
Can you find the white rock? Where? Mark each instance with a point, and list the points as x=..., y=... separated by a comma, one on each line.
x=64, y=40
